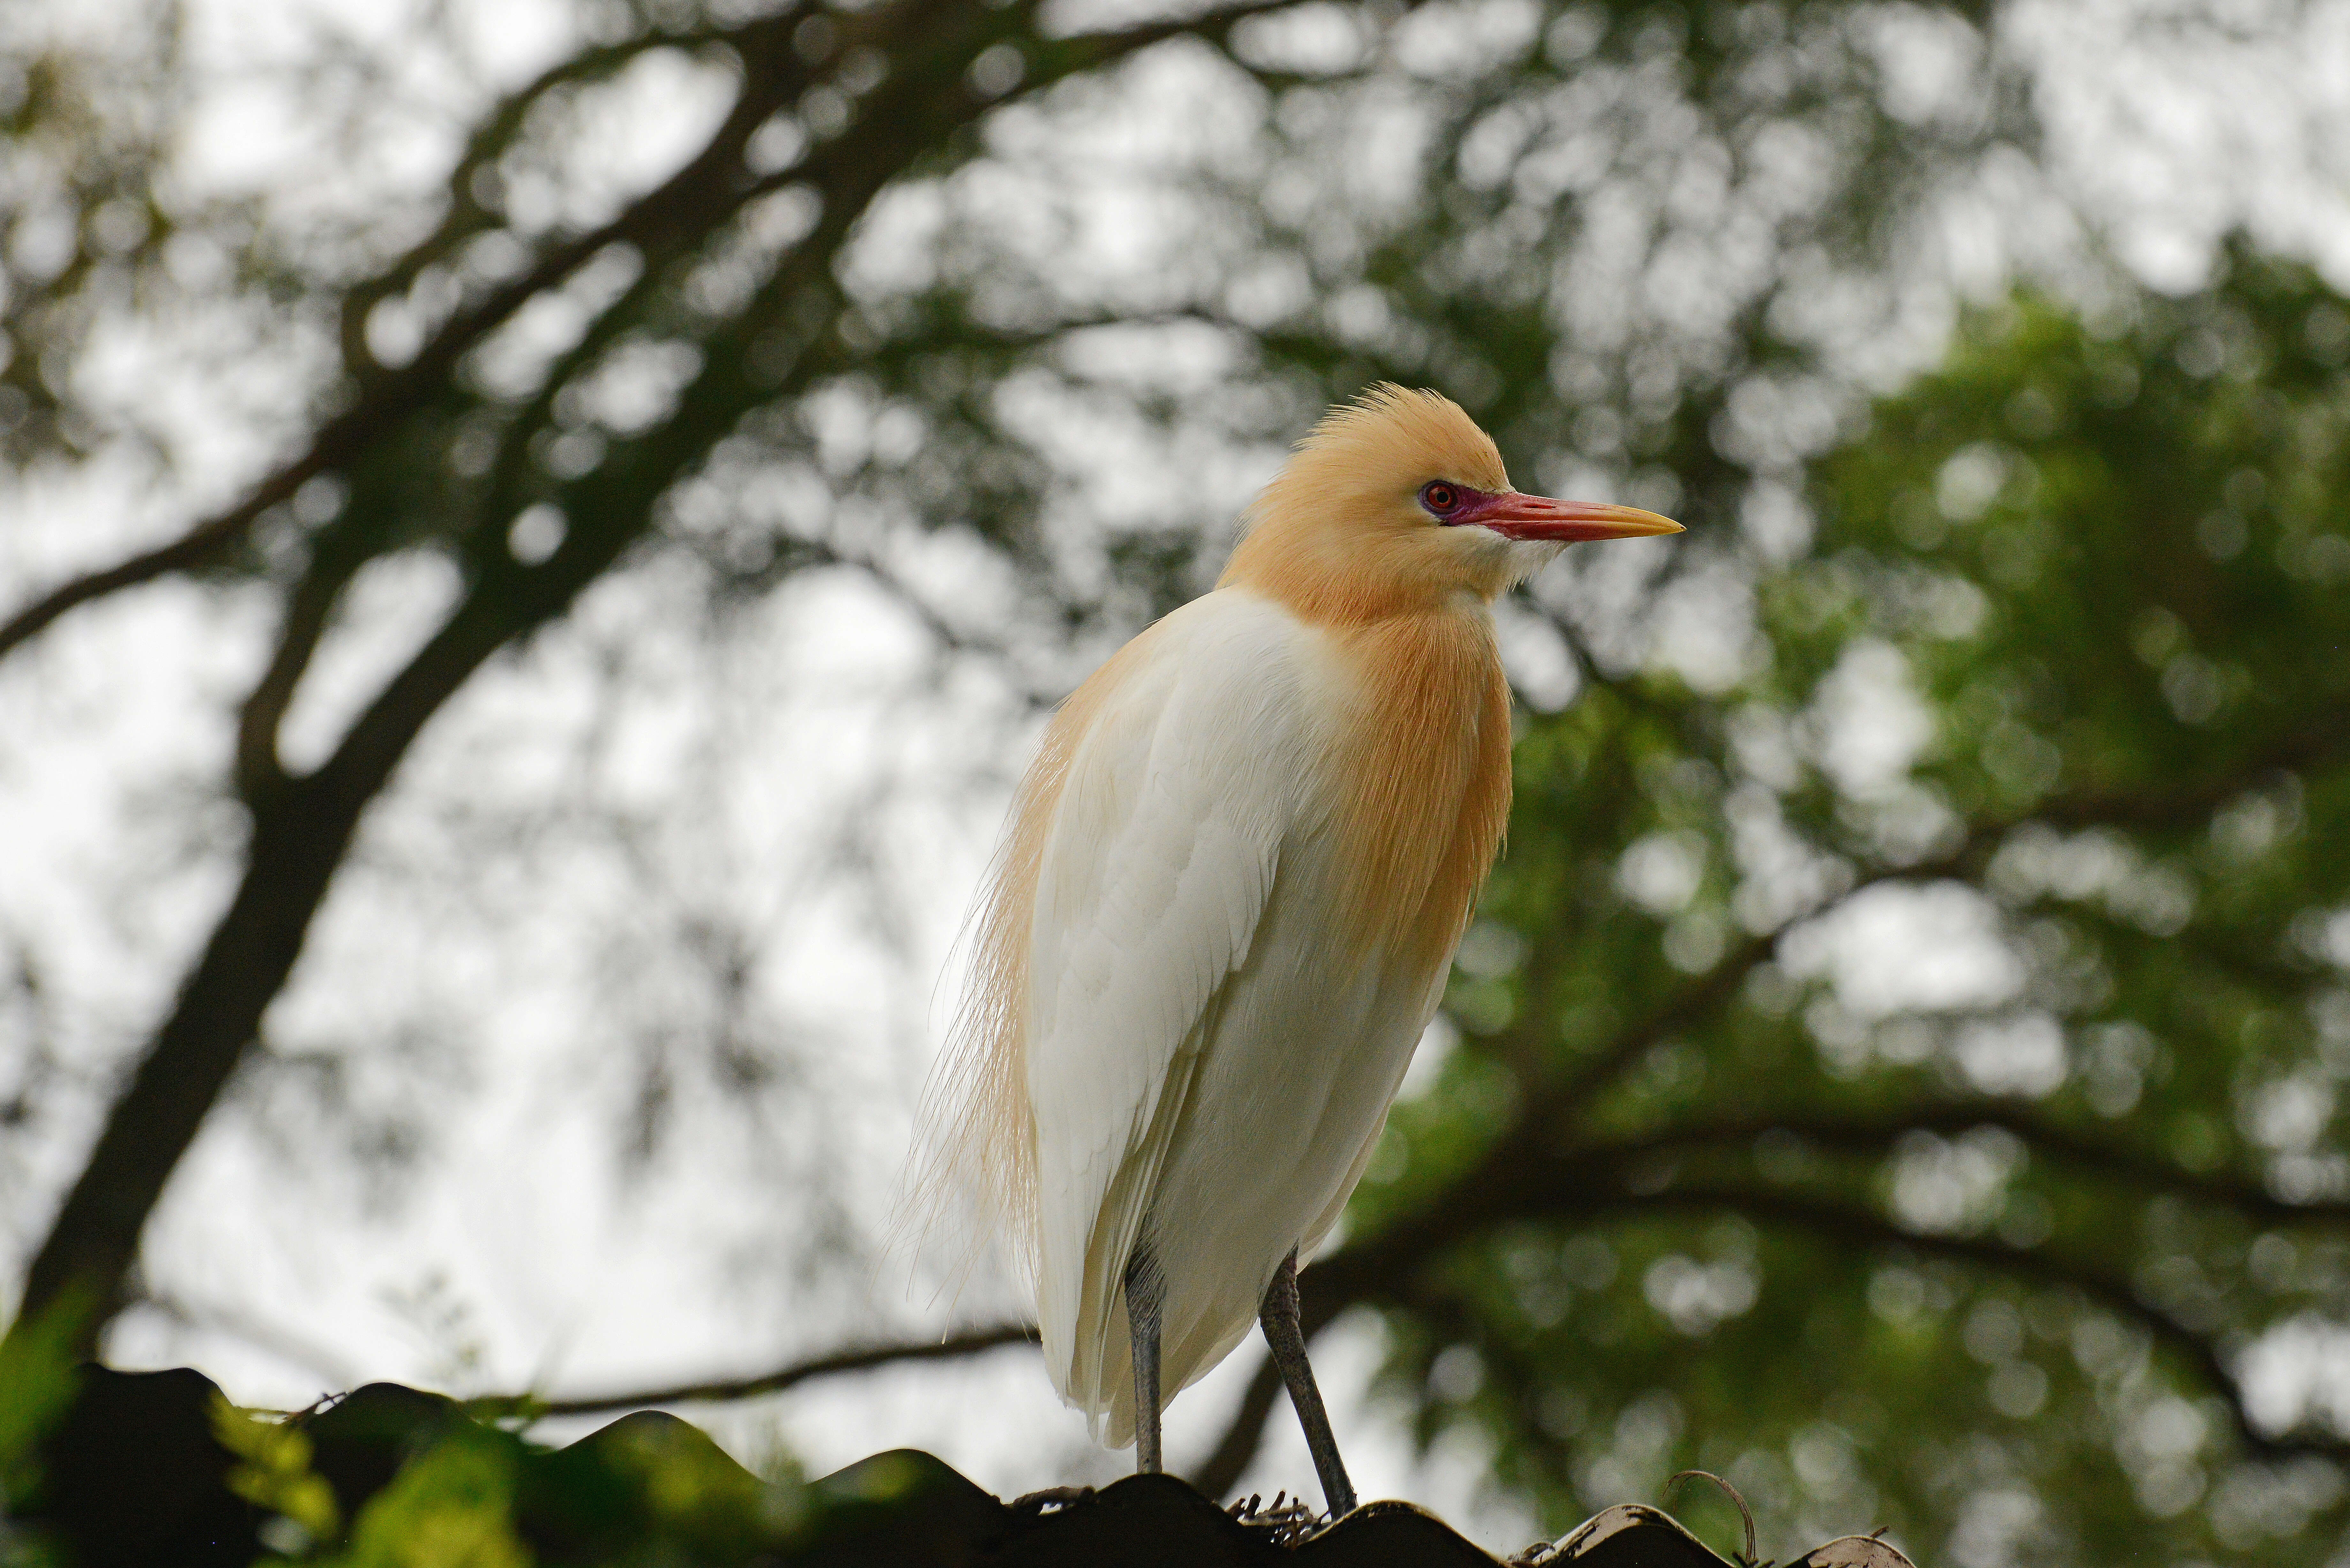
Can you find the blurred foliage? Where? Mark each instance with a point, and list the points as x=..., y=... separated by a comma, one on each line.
x=1976, y=1234
x=37, y=1386
x=453, y=1503
x=392, y=1478
x=273, y=1469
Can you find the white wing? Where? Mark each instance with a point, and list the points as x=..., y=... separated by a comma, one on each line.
x=1158, y=866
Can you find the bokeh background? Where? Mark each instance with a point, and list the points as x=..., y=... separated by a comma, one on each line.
x=591, y=502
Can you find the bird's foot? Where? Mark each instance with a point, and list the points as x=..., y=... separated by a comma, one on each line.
x=1284, y=1522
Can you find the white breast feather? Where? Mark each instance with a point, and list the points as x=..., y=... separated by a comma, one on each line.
x=1158, y=866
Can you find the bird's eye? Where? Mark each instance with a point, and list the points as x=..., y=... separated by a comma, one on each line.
x=1440, y=497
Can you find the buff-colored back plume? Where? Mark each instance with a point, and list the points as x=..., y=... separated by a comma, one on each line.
x=979, y=1132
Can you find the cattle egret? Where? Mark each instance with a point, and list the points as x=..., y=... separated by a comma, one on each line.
x=1227, y=902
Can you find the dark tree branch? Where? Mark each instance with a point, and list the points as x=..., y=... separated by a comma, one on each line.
x=1390, y=1269
x=2318, y=744
x=677, y=211
x=1864, y=1230
x=312, y=600
x=1220, y=1470
x=681, y=209
x=302, y=828
x=467, y=216
x=308, y=605
x=862, y=1358
x=1695, y=1003
x=2317, y=740
x=194, y=548
x=2044, y=1139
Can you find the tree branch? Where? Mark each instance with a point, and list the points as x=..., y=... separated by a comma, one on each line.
x=2317, y=739
x=1220, y=1470
x=704, y=189
x=466, y=215
x=2315, y=745
x=685, y=203
x=1866, y=1229
x=2044, y=1139
x=191, y=549
x=308, y=605
x=1389, y=1269
x=860, y=1358
x=301, y=829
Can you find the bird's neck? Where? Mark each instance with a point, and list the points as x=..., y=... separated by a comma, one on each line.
x=1354, y=578
x=1426, y=757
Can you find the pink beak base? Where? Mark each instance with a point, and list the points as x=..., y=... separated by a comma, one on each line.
x=1516, y=516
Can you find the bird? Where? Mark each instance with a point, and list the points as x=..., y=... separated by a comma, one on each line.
x=1225, y=904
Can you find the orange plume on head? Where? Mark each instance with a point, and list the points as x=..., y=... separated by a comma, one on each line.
x=1339, y=537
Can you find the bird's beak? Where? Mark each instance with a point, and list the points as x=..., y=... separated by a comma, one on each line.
x=1516, y=516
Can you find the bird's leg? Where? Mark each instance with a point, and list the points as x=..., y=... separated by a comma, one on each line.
x=1287, y=1341
x=1145, y=1292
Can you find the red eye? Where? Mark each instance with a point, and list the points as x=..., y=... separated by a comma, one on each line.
x=1440, y=497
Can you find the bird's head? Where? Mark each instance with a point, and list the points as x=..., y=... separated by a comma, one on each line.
x=1397, y=499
